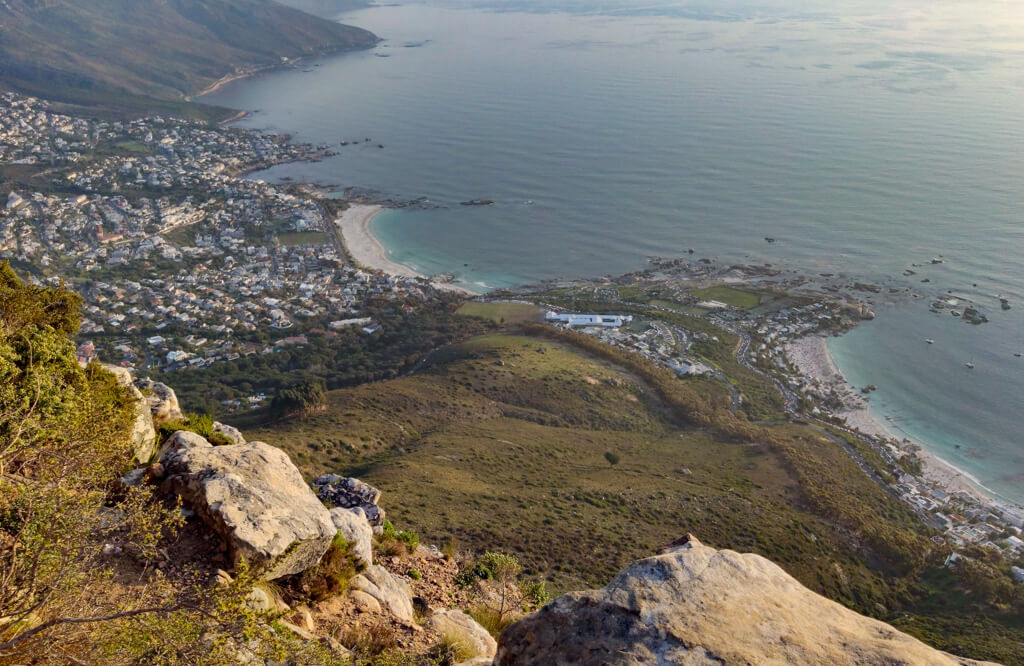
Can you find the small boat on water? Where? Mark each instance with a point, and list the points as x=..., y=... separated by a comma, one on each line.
x=1017, y=354
x=929, y=341
x=969, y=365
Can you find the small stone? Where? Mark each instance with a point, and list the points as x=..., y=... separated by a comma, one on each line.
x=304, y=618
x=363, y=602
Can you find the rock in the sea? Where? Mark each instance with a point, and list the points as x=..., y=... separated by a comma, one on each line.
x=231, y=432
x=697, y=605
x=392, y=592
x=163, y=402
x=349, y=493
x=352, y=525
x=457, y=624
x=143, y=432
x=973, y=316
x=255, y=498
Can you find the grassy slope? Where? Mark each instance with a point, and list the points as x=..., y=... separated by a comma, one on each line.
x=512, y=457
x=126, y=51
x=502, y=313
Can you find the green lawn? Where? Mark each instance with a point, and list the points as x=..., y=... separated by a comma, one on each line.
x=502, y=313
x=501, y=446
x=183, y=236
x=729, y=295
x=676, y=307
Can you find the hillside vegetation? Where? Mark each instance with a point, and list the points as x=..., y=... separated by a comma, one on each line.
x=119, y=51
x=579, y=463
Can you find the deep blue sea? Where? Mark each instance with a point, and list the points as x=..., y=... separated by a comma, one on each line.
x=865, y=136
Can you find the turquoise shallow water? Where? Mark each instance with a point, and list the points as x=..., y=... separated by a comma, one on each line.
x=864, y=136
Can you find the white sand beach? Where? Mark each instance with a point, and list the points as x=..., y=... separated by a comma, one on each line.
x=811, y=355
x=365, y=249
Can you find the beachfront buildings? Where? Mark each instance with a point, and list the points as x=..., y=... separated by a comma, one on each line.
x=574, y=319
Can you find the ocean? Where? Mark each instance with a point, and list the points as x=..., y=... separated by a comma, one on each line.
x=866, y=137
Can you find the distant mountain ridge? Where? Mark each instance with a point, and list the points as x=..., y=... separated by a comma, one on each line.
x=86, y=50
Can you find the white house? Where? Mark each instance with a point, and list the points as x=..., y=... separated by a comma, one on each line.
x=573, y=319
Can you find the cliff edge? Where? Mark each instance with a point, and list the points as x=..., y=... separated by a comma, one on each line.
x=696, y=605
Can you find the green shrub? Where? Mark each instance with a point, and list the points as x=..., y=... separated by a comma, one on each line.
x=535, y=595
x=491, y=619
x=200, y=424
x=415, y=574
x=331, y=575
x=396, y=543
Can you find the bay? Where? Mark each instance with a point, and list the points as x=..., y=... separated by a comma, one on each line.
x=863, y=136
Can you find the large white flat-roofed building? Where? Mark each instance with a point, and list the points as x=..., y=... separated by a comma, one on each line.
x=573, y=319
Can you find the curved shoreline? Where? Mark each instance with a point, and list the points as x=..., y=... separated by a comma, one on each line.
x=813, y=357
x=367, y=250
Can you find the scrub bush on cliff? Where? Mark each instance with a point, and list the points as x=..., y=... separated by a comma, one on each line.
x=65, y=436
x=65, y=433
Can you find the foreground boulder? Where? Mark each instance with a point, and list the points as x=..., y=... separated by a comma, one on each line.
x=255, y=498
x=697, y=605
x=349, y=493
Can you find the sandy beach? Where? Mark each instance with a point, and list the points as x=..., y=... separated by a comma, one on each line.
x=811, y=355
x=365, y=249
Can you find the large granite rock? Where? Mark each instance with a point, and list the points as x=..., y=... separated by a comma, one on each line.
x=695, y=605
x=349, y=493
x=254, y=497
x=455, y=623
x=163, y=401
x=143, y=432
x=392, y=592
x=352, y=525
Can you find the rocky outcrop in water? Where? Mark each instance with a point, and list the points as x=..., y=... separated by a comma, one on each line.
x=254, y=498
x=695, y=605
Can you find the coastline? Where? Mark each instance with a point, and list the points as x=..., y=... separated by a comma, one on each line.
x=812, y=357
x=366, y=250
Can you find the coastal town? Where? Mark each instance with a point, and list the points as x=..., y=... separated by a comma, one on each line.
x=182, y=261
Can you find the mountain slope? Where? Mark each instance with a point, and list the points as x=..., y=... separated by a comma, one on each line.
x=74, y=50
x=326, y=8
